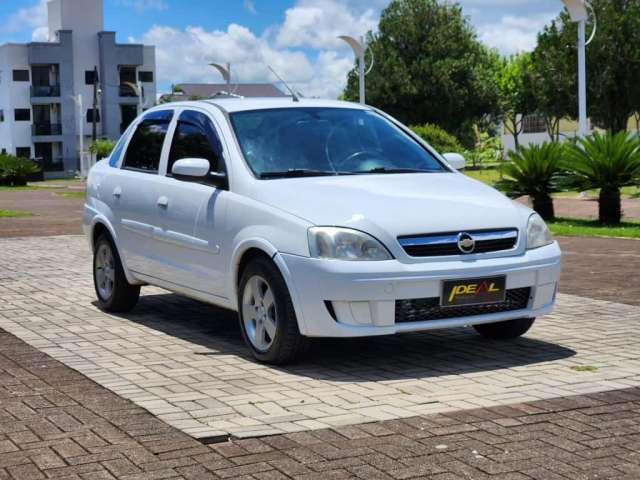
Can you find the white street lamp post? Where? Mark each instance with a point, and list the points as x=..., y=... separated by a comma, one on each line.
x=579, y=14
x=78, y=101
x=358, y=48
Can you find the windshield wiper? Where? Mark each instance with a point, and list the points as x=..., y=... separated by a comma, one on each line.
x=298, y=172
x=397, y=170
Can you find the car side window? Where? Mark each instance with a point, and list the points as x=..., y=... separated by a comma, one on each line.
x=145, y=147
x=195, y=137
x=117, y=151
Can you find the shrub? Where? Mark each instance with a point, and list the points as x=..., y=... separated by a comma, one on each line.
x=488, y=149
x=102, y=148
x=606, y=162
x=535, y=171
x=438, y=138
x=15, y=171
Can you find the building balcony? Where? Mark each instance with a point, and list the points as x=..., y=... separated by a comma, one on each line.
x=45, y=91
x=46, y=129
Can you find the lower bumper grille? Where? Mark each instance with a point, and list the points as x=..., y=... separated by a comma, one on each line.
x=423, y=309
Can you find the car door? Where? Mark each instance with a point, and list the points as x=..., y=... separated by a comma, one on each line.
x=192, y=218
x=134, y=191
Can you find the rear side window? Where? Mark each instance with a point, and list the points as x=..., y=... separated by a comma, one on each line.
x=195, y=137
x=145, y=147
x=117, y=151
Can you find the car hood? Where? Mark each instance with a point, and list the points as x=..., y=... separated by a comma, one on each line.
x=396, y=204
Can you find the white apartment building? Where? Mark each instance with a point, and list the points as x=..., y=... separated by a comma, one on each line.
x=43, y=84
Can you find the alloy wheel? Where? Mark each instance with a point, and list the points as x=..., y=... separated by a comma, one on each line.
x=105, y=271
x=259, y=313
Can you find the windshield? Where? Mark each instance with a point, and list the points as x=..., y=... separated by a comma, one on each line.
x=327, y=141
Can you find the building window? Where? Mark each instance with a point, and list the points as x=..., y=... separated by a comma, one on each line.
x=534, y=123
x=23, y=152
x=90, y=115
x=22, y=115
x=21, y=75
x=1, y=115
x=90, y=77
x=145, y=77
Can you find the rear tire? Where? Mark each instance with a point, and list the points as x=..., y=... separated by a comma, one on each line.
x=508, y=330
x=267, y=318
x=115, y=294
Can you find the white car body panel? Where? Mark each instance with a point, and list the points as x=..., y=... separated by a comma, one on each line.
x=189, y=237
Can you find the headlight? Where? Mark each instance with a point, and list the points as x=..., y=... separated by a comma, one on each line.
x=538, y=234
x=345, y=244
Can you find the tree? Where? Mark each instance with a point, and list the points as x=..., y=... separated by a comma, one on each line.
x=515, y=93
x=607, y=162
x=613, y=65
x=430, y=67
x=438, y=138
x=553, y=75
x=102, y=148
x=535, y=171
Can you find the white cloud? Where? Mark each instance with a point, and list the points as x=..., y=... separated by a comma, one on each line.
x=33, y=17
x=143, y=5
x=250, y=7
x=514, y=34
x=184, y=55
x=317, y=23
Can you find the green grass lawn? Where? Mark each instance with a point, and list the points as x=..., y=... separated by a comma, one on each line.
x=485, y=175
x=591, y=228
x=71, y=194
x=14, y=213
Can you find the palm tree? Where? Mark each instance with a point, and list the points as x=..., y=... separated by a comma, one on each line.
x=534, y=171
x=606, y=162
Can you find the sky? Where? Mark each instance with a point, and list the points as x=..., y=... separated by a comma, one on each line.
x=296, y=37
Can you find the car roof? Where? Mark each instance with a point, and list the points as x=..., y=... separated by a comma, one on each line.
x=244, y=104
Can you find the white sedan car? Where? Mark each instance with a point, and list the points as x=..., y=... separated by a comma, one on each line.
x=312, y=219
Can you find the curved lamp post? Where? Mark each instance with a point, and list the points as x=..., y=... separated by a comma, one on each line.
x=224, y=71
x=579, y=14
x=139, y=91
x=358, y=48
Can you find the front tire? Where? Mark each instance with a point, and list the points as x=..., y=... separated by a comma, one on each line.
x=115, y=294
x=267, y=318
x=508, y=330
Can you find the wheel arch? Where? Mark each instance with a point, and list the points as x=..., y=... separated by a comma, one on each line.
x=98, y=227
x=250, y=249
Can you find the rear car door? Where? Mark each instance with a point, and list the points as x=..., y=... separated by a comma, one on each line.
x=192, y=220
x=134, y=191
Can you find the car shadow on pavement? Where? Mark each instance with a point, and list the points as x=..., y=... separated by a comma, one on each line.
x=215, y=332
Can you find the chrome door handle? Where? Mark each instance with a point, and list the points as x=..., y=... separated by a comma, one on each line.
x=117, y=192
x=163, y=202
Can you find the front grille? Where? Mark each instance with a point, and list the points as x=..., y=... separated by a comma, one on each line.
x=442, y=244
x=423, y=309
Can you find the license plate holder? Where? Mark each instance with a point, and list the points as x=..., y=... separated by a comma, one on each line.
x=473, y=291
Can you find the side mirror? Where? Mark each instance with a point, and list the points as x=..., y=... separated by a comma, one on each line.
x=455, y=160
x=197, y=169
x=190, y=167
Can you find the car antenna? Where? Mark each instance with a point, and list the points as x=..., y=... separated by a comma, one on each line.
x=294, y=95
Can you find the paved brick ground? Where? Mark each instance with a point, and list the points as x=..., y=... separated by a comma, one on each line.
x=55, y=423
x=184, y=361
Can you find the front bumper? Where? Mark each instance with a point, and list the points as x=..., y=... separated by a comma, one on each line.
x=363, y=294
